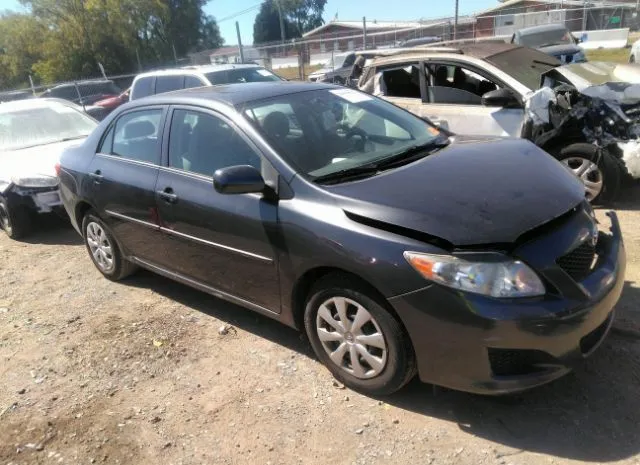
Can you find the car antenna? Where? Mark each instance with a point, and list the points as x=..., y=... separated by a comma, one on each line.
x=75, y=84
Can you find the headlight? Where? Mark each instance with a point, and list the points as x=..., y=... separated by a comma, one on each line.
x=35, y=181
x=503, y=278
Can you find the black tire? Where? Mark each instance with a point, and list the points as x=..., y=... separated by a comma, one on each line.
x=16, y=221
x=120, y=267
x=400, y=366
x=607, y=165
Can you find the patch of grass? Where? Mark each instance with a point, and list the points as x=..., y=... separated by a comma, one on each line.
x=292, y=72
x=616, y=55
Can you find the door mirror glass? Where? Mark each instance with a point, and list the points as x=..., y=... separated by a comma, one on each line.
x=241, y=179
x=504, y=98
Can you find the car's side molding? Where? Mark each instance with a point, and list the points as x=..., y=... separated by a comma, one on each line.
x=189, y=237
x=204, y=287
x=133, y=220
x=216, y=245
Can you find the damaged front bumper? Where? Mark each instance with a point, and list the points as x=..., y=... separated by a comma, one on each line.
x=493, y=346
x=631, y=157
x=37, y=199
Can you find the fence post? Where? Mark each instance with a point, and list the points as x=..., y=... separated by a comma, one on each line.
x=364, y=33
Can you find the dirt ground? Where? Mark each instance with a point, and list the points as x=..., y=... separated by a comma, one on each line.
x=137, y=373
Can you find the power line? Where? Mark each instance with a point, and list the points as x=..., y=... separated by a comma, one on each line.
x=239, y=13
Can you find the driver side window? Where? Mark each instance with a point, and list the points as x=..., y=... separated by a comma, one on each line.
x=457, y=85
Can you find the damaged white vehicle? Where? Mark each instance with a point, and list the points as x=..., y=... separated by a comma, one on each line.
x=33, y=134
x=587, y=115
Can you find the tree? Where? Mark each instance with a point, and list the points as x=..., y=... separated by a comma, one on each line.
x=266, y=27
x=304, y=15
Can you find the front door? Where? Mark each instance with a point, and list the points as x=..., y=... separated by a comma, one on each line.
x=454, y=96
x=123, y=177
x=223, y=241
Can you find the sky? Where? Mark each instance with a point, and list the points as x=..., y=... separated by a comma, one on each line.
x=381, y=10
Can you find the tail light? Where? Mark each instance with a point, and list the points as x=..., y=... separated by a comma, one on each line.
x=58, y=168
x=107, y=102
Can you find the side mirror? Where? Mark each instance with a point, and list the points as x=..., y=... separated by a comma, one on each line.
x=241, y=179
x=504, y=98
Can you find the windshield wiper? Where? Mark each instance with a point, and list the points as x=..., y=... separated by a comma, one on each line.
x=403, y=157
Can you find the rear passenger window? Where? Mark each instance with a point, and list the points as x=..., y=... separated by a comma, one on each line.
x=169, y=83
x=136, y=136
x=106, y=146
x=143, y=87
x=192, y=81
x=203, y=143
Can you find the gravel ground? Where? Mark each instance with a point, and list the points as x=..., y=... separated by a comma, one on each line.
x=139, y=373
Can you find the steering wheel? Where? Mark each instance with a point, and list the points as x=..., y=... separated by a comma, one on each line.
x=357, y=132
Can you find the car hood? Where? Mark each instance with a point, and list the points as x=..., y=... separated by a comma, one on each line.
x=39, y=160
x=472, y=192
x=594, y=73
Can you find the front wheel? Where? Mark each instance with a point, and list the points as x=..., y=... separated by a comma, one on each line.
x=357, y=338
x=597, y=170
x=15, y=221
x=104, y=250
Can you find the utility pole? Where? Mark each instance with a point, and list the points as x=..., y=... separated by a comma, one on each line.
x=277, y=2
x=239, y=43
x=455, y=23
x=584, y=16
x=364, y=33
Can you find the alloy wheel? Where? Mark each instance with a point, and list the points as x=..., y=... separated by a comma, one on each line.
x=100, y=247
x=351, y=337
x=589, y=173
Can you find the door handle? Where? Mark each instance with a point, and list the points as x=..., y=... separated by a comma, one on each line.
x=96, y=176
x=167, y=195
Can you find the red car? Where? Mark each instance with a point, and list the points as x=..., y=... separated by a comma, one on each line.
x=112, y=103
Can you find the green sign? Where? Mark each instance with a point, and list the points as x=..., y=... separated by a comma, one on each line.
x=615, y=20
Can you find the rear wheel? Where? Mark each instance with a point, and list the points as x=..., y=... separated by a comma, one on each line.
x=597, y=169
x=357, y=338
x=104, y=250
x=15, y=221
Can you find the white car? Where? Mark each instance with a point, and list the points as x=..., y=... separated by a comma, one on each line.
x=483, y=90
x=167, y=80
x=33, y=134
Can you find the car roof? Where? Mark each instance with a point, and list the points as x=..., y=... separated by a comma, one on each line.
x=204, y=69
x=232, y=94
x=33, y=104
x=542, y=28
x=481, y=50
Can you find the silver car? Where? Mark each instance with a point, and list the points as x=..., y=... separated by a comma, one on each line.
x=483, y=89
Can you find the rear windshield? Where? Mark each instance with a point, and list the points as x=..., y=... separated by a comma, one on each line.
x=526, y=65
x=546, y=38
x=236, y=75
x=143, y=87
x=73, y=92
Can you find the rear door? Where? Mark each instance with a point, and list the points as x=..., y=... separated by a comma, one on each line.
x=225, y=242
x=405, y=85
x=123, y=177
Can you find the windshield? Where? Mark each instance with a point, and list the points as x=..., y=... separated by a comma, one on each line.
x=242, y=75
x=547, y=38
x=27, y=127
x=526, y=65
x=327, y=131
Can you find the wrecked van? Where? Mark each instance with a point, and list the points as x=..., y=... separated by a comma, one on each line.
x=486, y=89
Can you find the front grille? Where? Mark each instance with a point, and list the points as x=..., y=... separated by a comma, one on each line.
x=590, y=342
x=579, y=262
x=519, y=362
